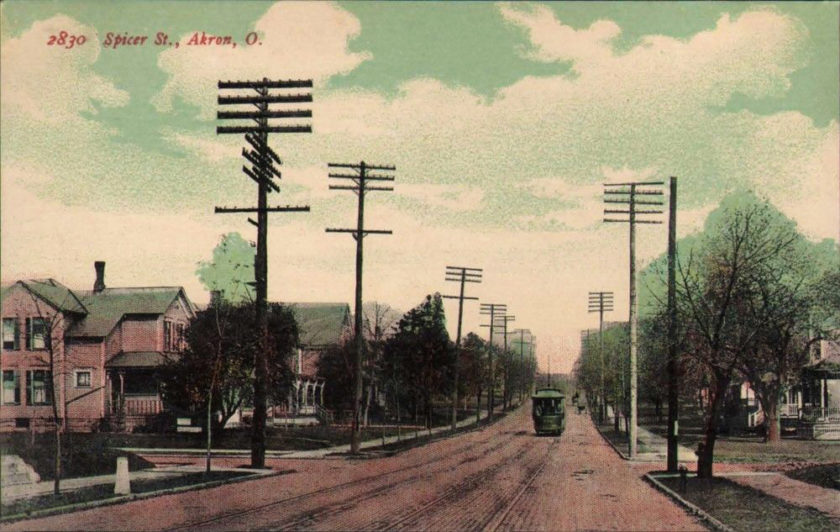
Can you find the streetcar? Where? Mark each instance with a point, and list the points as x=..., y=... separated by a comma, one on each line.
x=549, y=411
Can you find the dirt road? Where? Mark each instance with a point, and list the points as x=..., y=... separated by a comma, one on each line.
x=498, y=478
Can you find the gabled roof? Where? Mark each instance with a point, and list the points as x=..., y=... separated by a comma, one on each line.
x=54, y=293
x=107, y=308
x=321, y=324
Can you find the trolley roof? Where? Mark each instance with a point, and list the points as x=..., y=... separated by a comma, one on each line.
x=547, y=393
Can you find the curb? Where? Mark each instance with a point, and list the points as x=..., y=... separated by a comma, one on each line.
x=692, y=509
x=611, y=444
x=69, y=508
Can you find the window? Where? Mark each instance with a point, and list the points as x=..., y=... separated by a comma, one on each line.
x=38, y=387
x=11, y=387
x=36, y=337
x=11, y=334
x=83, y=378
x=167, y=334
x=173, y=336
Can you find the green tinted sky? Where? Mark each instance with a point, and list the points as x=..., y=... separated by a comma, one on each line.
x=501, y=151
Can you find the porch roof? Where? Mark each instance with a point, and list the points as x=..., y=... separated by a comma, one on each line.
x=827, y=368
x=136, y=359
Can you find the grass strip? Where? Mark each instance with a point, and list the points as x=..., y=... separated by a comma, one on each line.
x=22, y=508
x=745, y=508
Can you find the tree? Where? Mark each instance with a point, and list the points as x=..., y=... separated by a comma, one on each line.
x=719, y=295
x=379, y=319
x=788, y=301
x=216, y=368
x=57, y=310
x=474, y=369
x=231, y=271
x=420, y=355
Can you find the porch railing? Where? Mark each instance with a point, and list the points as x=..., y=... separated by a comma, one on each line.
x=143, y=407
x=819, y=413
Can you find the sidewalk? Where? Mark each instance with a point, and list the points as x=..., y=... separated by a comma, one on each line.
x=21, y=491
x=10, y=493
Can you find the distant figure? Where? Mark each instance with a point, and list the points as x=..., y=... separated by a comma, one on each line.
x=575, y=398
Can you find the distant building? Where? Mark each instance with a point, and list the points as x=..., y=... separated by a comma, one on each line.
x=106, y=343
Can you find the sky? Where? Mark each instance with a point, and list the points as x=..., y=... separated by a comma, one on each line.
x=503, y=121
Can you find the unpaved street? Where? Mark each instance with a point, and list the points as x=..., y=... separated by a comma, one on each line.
x=499, y=478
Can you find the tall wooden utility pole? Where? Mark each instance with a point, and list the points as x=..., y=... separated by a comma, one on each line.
x=460, y=274
x=673, y=383
x=360, y=186
x=522, y=360
x=505, y=320
x=601, y=302
x=491, y=309
x=626, y=194
x=263, y=171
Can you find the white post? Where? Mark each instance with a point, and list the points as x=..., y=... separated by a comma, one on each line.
x=123, y=484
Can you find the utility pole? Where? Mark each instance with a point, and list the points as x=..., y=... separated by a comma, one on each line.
x=460, y=274
x=601, y=302
x=360, y=186
x=505, y=383
x=673, y=383
x=521, y=360
x=627, y=194
x=263, y=171
x=491, y=309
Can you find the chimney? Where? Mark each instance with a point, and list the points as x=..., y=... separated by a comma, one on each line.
x=99, y=285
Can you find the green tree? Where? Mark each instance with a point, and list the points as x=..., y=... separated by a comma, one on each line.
x=217, y=366
x=473, y=369
x=231, y=271
x=420, y=355
x=727, y=279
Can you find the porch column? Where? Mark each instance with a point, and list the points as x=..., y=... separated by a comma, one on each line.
x=822, y=395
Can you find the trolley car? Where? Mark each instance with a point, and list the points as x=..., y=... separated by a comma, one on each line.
x=548, y=411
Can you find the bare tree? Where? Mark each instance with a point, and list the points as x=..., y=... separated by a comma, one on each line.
x=718, y=288
x=47, y=332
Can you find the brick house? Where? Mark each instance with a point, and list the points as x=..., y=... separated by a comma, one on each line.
x=321, y=326
x=105, y=344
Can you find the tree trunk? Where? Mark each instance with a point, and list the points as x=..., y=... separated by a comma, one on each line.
x=706, y=449
x=768, y=397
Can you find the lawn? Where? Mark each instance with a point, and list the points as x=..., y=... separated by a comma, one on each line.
x=744, y=448
x=105, y=492
x=744, y=508
x=825, y=476
x=83, y=455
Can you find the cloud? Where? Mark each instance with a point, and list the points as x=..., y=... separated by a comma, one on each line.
x=54, y=84
x=298, y=40
x=552, y=40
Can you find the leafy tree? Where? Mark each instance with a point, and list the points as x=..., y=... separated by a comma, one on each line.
x=335, y=366
x=473, y=369
x=231, y=271
x=217, y=365
x=726, y=278
x=420, y=356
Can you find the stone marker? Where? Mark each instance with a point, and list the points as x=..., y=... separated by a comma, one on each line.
x=123, y=484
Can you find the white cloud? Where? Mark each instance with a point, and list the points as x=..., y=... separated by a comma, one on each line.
x=299, y=40
x=53, y=84
x=554, y=41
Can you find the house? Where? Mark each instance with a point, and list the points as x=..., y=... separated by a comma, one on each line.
x=98, y=349
x=321, y=326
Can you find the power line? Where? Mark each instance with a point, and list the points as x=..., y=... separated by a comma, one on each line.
x=462, y=275
x=360, y=180
x=491, y=309
x=627, y=194
x=263, y=171
x=601, y=302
